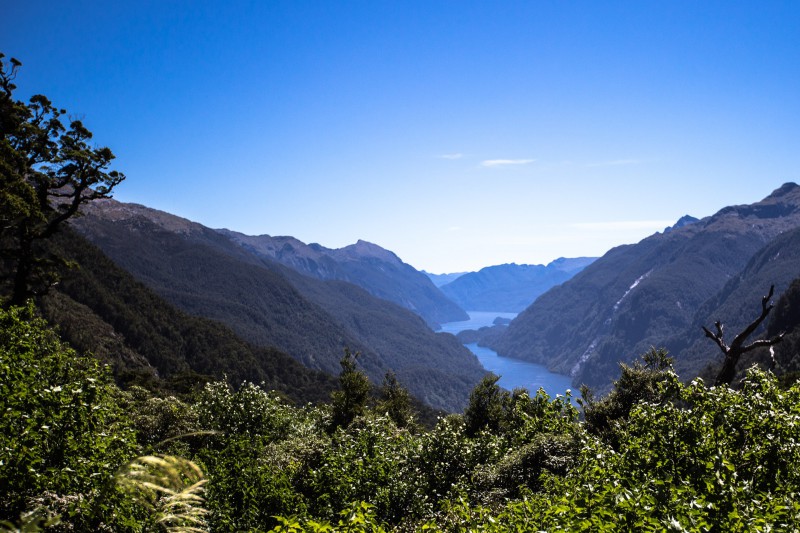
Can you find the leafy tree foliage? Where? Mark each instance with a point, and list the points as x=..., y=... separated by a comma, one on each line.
x=350, y=400
x=654, y=455
x=486, y=404
x=62, y=433
x=650, y=380
x=395, y=401
x=47, y=171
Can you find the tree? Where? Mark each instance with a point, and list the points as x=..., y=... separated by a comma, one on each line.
x=396, y=401
x=650, y=380
x=350, y=400
x=47, y=173
x=486, y=409
x=737, y=347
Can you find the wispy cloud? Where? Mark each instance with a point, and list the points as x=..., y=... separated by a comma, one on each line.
x=505, y=162
x=614, y=163
x=622, y=225
x=451, y=156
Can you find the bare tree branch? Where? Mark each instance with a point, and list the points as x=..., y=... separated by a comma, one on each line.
x=717, y=337
x=737, y=347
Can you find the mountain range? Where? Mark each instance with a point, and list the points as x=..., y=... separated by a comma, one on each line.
x=311, y=302
x=209, y=274
x=375, y=269
x=510, y=287
x=660, y=291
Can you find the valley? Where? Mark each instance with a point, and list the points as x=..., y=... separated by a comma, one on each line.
x=399, y=267
x=587, y=313
x=514, y=373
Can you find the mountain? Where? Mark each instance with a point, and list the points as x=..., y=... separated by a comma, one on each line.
x=443, y=279
x=375, y=269
x=685, y=220
x=101, y=309
x=205, y=273
x=786, y=319
x=645, y=294
x=510, y=287
x=738, y=303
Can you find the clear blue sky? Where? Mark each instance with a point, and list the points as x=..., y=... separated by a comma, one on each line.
x=457, y=134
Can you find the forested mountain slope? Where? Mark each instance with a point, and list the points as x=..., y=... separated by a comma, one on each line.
x=206, y=274
x=375, y=269
x=640, y=295
x=786, y=319
x=101, y=309
x=737, y=304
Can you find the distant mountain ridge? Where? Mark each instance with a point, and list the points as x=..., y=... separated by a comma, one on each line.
x=377, y=270
x=650, y=293
x=511, y=287
x=206, y=273
x=444, y=279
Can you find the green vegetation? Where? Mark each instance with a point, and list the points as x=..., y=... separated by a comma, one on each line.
x=654, y=455
x=185, y=441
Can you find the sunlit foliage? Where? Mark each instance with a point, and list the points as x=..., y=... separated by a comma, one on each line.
x=654, y=455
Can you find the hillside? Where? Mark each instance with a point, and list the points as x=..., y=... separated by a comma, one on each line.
x=786, y=319
x=739, y=303
x=375, y=269
x=641, y=295
x=205, y=274
x=511, y=287
x=101, y=309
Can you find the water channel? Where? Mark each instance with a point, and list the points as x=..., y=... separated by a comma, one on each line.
x=513, y=372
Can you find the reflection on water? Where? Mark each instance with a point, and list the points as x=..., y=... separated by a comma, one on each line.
x=513, y=372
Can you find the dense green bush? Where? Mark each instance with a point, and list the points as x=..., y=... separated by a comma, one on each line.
x=653, y=455
x=63, y=434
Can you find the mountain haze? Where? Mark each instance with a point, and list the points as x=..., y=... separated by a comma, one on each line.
x=511, y=287
x=443, y=279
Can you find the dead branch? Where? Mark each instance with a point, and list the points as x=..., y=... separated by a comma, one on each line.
x=737, y=347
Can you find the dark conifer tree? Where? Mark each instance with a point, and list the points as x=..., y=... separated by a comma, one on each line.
x=350, y=400
x=47, y=172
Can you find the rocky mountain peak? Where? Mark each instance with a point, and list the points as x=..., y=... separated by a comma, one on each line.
x=787, y=189
x=685, y=220
x=362, y=249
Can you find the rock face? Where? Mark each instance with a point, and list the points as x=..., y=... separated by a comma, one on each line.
x=653, y=293
x=374, y=269
x=206, y=273
x=511, y=287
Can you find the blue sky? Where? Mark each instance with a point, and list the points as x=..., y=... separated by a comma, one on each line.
x=457, y=134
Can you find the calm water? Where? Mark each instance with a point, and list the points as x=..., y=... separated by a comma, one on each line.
x=513, y=372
